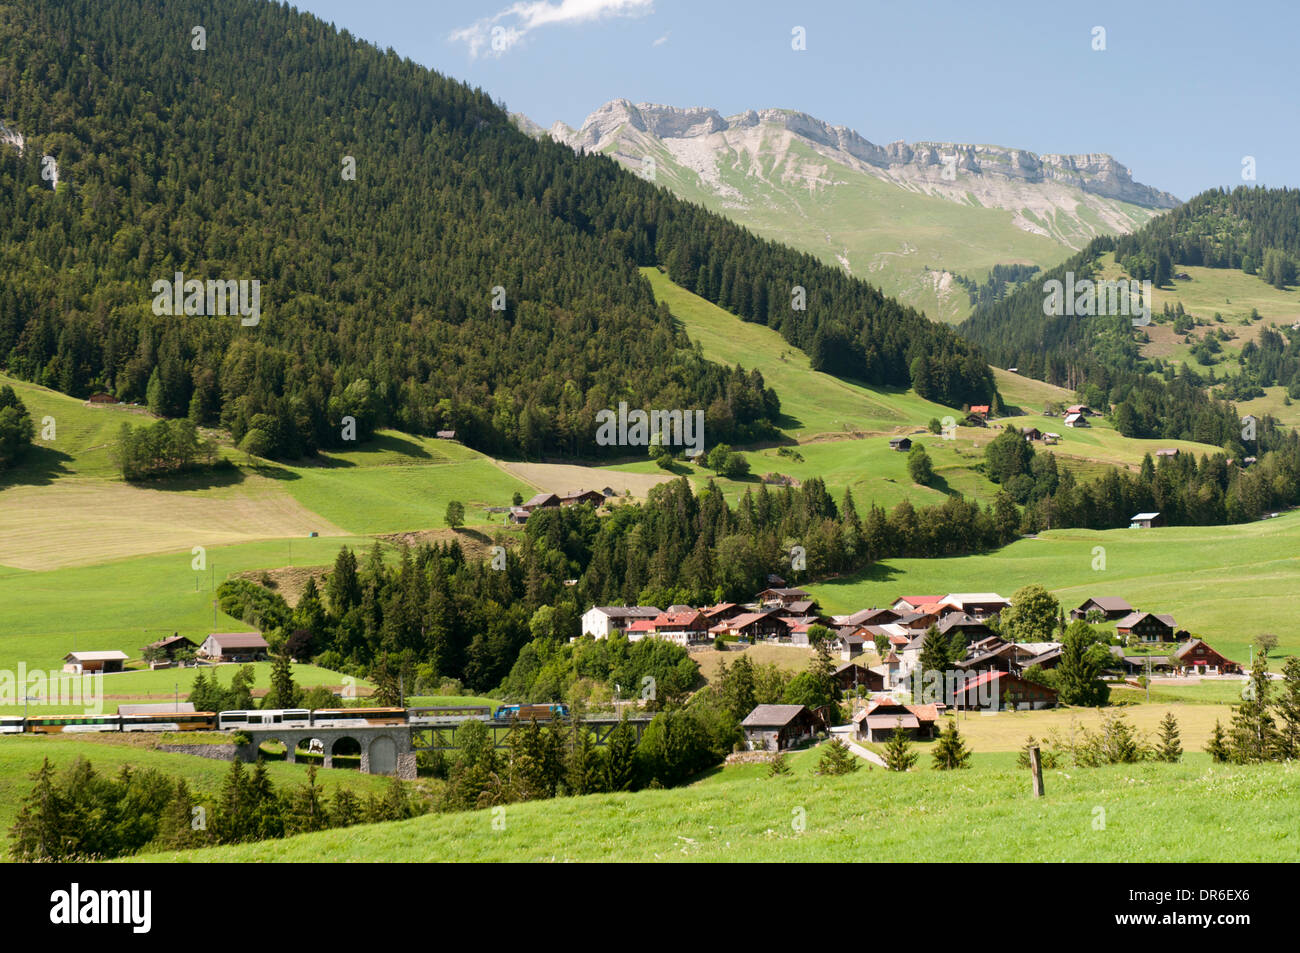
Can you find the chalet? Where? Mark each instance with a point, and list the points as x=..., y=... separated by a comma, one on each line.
x=233, y=647
x=751, y=626
x=798, y=609
x=977, y=605
x=996, y=691
x=682, y=627
x=603, y=621
x=1196, y=657
x=1132, y=665
x=1005, y=657
x=102, y=398
x=640, y=629
x=79, y=663
x=1047, y=659
x=517, y=515
x=1075, y=420
x=722, y=612
x=1031, y=433
x=981, y=409
x=541, y=501
x=1146, y=521
x=777, y=727
x=1081, y=409
x=170, y=646
x=1167, y=452
x=594, y=497
x=1051, y=438
x=880, y=719
x=1110, y=607
x=781, y=597
x=851, y=676
x=872, y=616
x=1147, y=626
x=971, y=628
x=900, y=443
x=850, y=642
x=975, y=420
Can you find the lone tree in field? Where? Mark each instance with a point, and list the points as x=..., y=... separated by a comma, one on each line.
x=455, y=515
x=951, y=752
x=1267, y=642
x=836, y=759
x=899, y=755
x=1170, y=747
x=919, y=465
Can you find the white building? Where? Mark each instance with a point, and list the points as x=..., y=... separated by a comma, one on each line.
x=603, y=621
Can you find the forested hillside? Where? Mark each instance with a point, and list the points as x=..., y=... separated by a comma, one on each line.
x=230, y=162
x=1257, y=230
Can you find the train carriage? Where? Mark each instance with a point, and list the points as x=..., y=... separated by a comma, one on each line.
x=448, y=713
x=348, y=717
x=171, y=721
x=72, y=724
x=264, y=718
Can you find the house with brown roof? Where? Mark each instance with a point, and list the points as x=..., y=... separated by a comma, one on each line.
x=999, y=691
x=686, y=626
x=1110, y=607
x=782, y=597
x=872, y=616
x=878, y=721
x=1147, y=626
x=540, y=500
x=79, y=663
x=594, y=497
x=778, y=727
x=234, y=647
x=751, y=626
x=851, y=676
x=1196, y=657
x=603, y=621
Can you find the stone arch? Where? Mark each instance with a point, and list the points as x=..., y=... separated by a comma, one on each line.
x=382, y=755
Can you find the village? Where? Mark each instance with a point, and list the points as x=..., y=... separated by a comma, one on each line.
x=892, y=693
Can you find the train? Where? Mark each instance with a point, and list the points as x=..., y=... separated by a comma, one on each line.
x=289, y=717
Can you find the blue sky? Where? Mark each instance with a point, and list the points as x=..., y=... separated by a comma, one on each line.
x=1181, y=93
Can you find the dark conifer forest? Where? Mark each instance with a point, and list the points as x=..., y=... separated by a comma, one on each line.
x=452, y=274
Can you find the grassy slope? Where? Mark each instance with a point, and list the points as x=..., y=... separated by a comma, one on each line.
x=1210, y=578
x=985, y=813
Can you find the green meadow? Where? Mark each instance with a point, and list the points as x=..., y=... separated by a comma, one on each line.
x=1227, y=584
x=1132, y=812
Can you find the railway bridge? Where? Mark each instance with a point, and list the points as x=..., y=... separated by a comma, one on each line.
x=393, y=749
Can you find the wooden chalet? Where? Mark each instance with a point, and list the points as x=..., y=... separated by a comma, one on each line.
x=997, y=691
x=778, y=727
x=1196, y=657
x=1111, y=607
x=1147, y=626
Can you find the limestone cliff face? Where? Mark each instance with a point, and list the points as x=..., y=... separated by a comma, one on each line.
x=618, y=121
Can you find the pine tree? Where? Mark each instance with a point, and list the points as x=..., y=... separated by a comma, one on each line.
x=836, y=759
x=1253, y=735
x=346, y=809
x=1218, y=748
x=620, y=758
x=582, y=773
x=309, y=808
x=899, y=755
x=176, y=827
x=41, y=832
x=951, y=751
x=1170, y=747
x=1288, y=708
x=284, y=692
x=779, y=766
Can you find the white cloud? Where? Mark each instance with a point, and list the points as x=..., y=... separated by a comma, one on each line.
x=662, y=40
x=500, y=32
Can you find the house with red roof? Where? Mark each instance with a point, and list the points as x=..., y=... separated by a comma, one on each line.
x=878, y=721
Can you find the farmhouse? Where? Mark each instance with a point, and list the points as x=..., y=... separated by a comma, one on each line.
x=1076, y=420
x=685, y=626
x=1167, y=452
x=971, y=628
x=900, y=443
x=1031, y=433
x=851, y=675
x=777, y=727
x=1010, y=692
x=977, y=605
x=913, y=603
x=782, y=597
x=1146, y=521
x=233, y=647
x=602, y=621
x=594, y=497
x=872, y=616
x=1051, y=438
x=82, y=662
x=1002, y=657
x=540, y=501
x=752, y=626
x=1147, y=626
x=880, y=719
x=1111, y=607
x=1081, y=409
x=517, y=515
x=1196, y=656
x=170, y=646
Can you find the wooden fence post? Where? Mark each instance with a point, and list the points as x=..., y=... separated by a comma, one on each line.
x=1036, y=766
